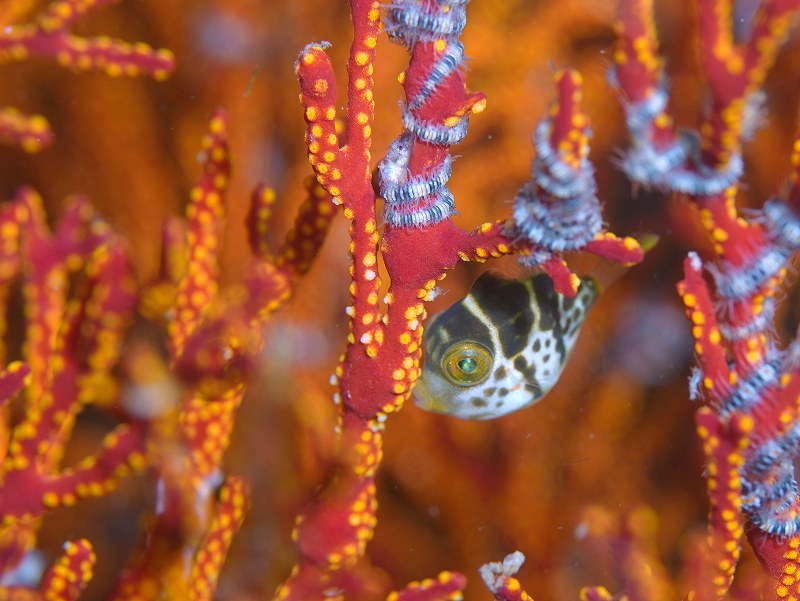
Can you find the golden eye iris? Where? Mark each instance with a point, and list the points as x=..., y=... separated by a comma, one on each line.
x=467, y=363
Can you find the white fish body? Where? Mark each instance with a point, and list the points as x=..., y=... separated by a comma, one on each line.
x=501, y=348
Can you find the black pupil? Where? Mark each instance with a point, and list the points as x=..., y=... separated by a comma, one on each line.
x=467, y=365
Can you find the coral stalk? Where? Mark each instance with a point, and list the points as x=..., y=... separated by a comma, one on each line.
x=48, y=36
x=749, y=422
x=420, y=244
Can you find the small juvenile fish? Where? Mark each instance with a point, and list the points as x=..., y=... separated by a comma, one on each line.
x=501, y=348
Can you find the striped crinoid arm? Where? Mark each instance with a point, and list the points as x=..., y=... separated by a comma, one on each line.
x=415, y=171
x=749, y=426
x=420, y=241
x=557, y=210
x=750, y=430
x=419, y=245
x=706, y=163
x=751, y=255
x=657, y=148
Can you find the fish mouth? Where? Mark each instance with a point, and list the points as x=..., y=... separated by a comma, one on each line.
x=426, y=399
x=423, y=398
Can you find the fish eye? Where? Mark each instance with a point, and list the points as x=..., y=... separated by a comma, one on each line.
x=467, y=363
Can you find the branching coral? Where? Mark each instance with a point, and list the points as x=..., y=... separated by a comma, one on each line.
x=748, y=383
x=419, y=244
x=178, y=431
x=212, y=339
x=175, y=401
x=47, y=35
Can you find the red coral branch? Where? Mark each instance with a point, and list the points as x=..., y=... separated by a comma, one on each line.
x=214, y=338
x=48, y=36
x=32, y=133
x=72, y=346
x=446, y=586
x=198, y=288
x=734, y=72
x=302, y=242
x=69, y=576
x=723, y=445
x=229, y=513
x=419, y=243
x=499, y=578
x=716, y=375
x=749, y=428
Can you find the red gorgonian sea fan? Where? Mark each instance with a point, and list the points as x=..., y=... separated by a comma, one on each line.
x=46, y=34
x=419, y=245
x=81, y=300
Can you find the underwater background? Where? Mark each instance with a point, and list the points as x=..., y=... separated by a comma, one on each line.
x=600, y=480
